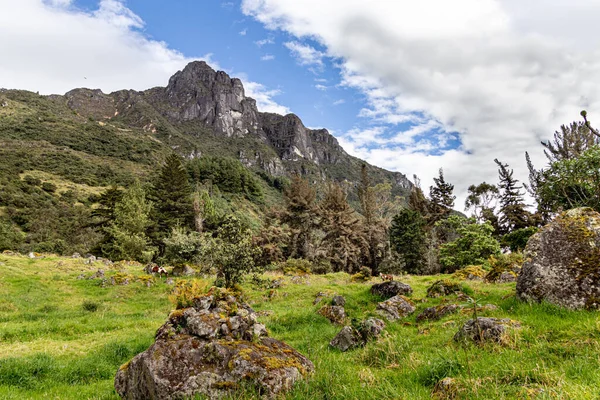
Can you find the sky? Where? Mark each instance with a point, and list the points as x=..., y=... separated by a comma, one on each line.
x=408, y=86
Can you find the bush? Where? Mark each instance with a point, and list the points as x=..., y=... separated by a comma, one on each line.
x=90, y=306
x=49, y=187
x=183, y=248
x=470, y=272
x=517, y=239
x=511, y=262
x=322, y=267
x=185, y=291
x=296, y=266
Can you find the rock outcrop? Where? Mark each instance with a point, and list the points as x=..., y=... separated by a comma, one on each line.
x=389, y=289
x=562, y=262
x=211, y=349
x=395, y=308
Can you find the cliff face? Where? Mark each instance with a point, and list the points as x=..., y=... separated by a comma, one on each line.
x=201, y=111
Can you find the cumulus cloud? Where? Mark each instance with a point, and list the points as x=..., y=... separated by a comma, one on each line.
x=305, y=54
x=268, y=57
x=503, y=74
x=264, y=98
x=51, y=47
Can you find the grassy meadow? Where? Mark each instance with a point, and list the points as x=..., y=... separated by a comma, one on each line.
x=64, y=338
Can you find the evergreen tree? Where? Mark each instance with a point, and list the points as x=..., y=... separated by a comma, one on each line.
x=441, y=198
x=128, y=229
x=417, y=200
x=513, y=213
x=374, y=224
x=232, y=252
x=300, y=215
x=407, y=237
x=570, y=142
x=172, y=195
x=105, y=212
x=344, y=242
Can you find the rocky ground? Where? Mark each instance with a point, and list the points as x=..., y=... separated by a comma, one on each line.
x=66, y=329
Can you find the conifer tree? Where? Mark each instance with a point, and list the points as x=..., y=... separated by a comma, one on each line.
x=441, y=198
x=407, y=237
x=172, y=195
x=300, y=215
x=344, y=242
x=128, y=229
x=374, y=225
x=513, y=213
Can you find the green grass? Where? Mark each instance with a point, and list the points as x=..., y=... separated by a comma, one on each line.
x=65, y=338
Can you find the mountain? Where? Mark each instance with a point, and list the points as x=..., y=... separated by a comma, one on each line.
x=203, y=111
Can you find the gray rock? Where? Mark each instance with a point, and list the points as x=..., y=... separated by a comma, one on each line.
x=485, y=330
x=76, y=255
x=195, y=354
x=562, y=262
x=169, y=281
x=338, y=301
x=390, y=289
x=335, y=314
x=371, y=328
x=395, y=308
x=506, y=277
x=436, y=313
x=443, y=288
x=183, y=270
x=348, y=338
x=98, y=274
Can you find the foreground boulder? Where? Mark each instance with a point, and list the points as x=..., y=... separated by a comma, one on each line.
x=390, y=289
x=562, y=262
x=349, y=337
x=485, y=330
x=211, y=349
x=395, y=308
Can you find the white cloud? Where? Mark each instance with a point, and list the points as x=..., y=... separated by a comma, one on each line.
x=243, y=32
x=263, y=42
x=305, y=55
x=264, y=98
x=501, y=73
x=339, y=102
x=268, y=57
x=321, y=87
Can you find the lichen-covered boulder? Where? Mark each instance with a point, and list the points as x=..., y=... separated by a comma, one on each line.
x=349, y=337
x=338, y=301
x=507, y=277
x=395, y=308
x=562, y=262
x=436, y=313
x=485, y=330
x=443, y=288
x=390, y=289
x=211, y=349
x=335, y=314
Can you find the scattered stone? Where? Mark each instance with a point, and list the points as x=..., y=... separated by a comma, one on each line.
x=76, y=255
x=211, y=350
x=443, y=288
x=390, y=289
x=437, y=313
x=183, y=270
x=395, y=308
x=507, y=277
x=350, y=338
x=319, y=297
x=561, y=262
x=98, y=275
x=10, y=253
x=338, y=301
x=300, y=280
x=445, y=389
x=485, y=330
x=335, y=314
x=170, y=281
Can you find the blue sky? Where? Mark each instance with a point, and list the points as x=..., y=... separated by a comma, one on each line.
x=411, y=86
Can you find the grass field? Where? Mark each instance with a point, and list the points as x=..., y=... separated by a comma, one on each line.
x=64, y=338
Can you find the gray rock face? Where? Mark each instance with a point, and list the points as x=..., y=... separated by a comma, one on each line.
x=436, y=313
x=395, y=308
x=184, y=270
x=338, y=301
x=346, y=339
x=390, y=289
x=506, y=277
x=211, y=349
x=562, y=262
x=485, y=330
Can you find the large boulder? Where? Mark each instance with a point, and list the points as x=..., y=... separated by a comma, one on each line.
x=390, y=289
x=395, y=308
x=562, y=262
x=211, y=349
